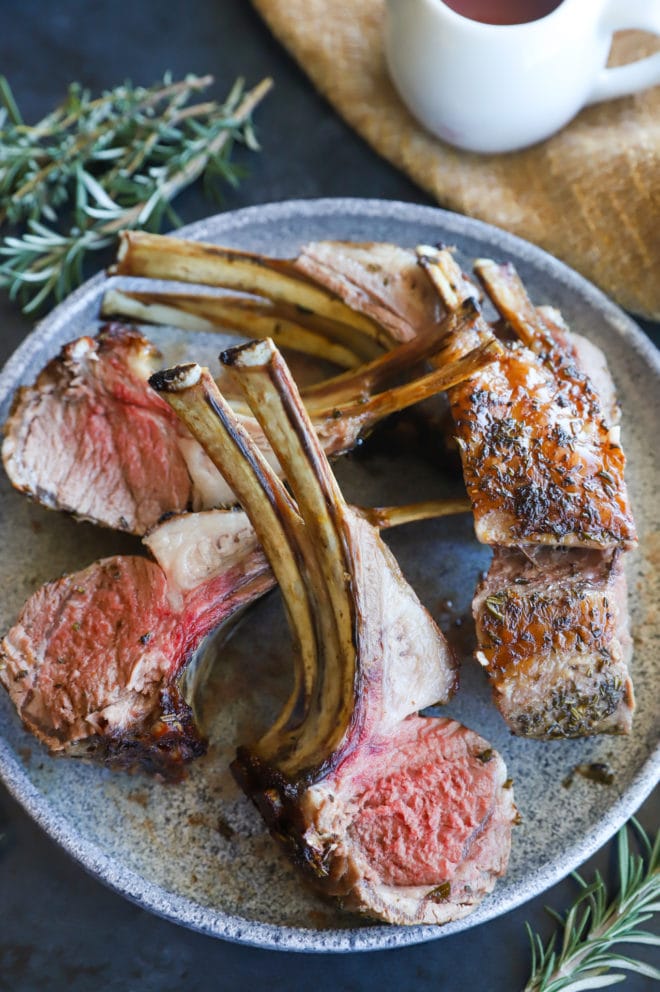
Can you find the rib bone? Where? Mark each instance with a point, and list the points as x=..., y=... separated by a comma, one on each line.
x=368, y=658
x=106, y=663
x=162, y=257
x=253, y=318
x=91, y=438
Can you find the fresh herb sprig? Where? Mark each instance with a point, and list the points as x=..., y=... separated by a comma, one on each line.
x=596, y=924
x=95, y=166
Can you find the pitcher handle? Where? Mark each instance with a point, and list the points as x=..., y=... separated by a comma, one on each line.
x=639, y=75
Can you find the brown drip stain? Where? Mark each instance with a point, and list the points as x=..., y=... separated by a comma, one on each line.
x=597, y=771
x=141, y=798
x=457, y=627
x=224, y=828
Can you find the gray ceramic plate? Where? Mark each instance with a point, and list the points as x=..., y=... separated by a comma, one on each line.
x=198, y=853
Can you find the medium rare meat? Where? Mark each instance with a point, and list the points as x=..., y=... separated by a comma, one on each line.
x=552, y=629
x=90, y=436
x=403, y=817
x=104, y=663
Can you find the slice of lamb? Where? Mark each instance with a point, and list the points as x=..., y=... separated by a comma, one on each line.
x=348, y=778
x=539, y=463
x=105, y=663
x=537, y=439
x=90, y=436
x=552, y=628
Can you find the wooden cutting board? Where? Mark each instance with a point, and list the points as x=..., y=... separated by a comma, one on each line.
x=589, y=195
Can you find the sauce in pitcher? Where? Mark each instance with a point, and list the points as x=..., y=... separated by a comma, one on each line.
x=503, y=11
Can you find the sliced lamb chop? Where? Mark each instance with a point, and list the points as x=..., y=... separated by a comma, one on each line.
x=541, y=465
x=106, y=663
x=90, y=436
x=102, y=663
x=552, y=627
x=404, y=818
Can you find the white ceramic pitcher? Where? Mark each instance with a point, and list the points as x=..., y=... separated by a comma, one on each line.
x=495, y=88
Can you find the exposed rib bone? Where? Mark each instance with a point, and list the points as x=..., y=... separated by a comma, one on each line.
x=394, y=516
x=122, y=460
x=90, y=681
x=451, y=340
x=450, y=281
x=384, y=404
x=505, y=289
x=376, y=658
x=195, y=312
x=163, y=257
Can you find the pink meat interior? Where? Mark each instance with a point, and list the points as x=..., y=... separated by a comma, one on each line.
x=430, y=800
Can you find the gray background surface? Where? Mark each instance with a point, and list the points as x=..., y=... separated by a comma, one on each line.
x=61, y=929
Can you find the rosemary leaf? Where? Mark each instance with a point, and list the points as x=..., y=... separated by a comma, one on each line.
x=93, y=167
x=596, y=923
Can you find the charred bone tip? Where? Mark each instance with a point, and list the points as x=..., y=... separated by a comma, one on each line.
x=177, y=379
x=254, y=354
x=427, y=252
x=433, y=253
x=123, y=250
x=468, y=308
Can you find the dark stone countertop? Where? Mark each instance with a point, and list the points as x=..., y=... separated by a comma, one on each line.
x=60, y=928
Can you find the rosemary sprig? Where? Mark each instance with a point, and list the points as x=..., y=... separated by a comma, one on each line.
x=93, y=167
x=588, y=958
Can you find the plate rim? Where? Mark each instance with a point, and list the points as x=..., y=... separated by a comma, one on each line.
x=213, y=922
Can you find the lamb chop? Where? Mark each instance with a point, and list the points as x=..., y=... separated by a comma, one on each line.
x=91, y=438
x=552, y=623
x=106, y=663
x=540, y=463
x=403, y=817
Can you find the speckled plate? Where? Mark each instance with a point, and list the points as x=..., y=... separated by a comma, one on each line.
x=198, y=853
